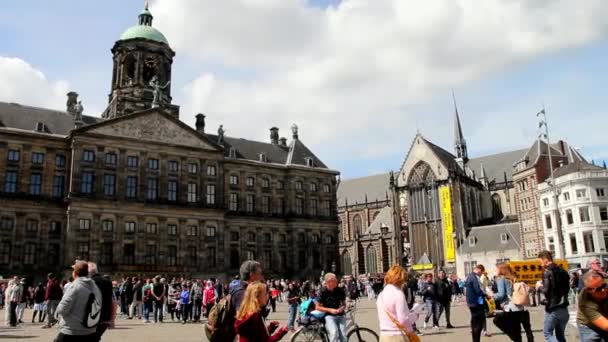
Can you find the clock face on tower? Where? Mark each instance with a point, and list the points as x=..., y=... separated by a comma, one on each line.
x=150, y=68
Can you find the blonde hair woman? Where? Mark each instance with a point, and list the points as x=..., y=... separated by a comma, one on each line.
x=393, y=313
x=249, y=323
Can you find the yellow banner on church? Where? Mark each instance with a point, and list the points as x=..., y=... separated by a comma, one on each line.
x=448, y=223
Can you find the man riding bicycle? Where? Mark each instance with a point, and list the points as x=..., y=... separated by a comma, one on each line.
x=332, y=301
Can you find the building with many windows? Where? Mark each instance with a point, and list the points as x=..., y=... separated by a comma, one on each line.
x=139, y=191
x=582, y=204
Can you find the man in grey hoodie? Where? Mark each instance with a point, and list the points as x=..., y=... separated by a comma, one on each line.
x=80, y=308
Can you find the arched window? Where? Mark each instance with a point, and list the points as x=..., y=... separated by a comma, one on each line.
x=128, y=74
x=371, y=260
x=496, y=207
x=358, y=224
x=347, y=265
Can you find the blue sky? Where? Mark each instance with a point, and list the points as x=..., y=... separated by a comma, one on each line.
x=358, y=115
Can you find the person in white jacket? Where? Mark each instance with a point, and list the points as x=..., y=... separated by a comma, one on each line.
x=393, y=314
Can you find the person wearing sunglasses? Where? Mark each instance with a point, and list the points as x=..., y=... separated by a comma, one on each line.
x=595, y=264
x=592, y=316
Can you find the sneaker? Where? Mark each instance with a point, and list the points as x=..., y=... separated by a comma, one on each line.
x=424, y=326
x=449, y=326
x=487, y=334
x=436, y=327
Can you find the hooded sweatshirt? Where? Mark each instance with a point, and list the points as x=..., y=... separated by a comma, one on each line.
x=72, y=308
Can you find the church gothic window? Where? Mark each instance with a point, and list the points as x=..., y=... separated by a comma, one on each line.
x=358, y=224
x=371, y=259
x=347, y=265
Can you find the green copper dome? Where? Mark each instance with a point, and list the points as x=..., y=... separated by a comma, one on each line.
x=144, y=31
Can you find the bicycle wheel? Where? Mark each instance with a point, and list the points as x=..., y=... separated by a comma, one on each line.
x=308, y=335
x=362, y=335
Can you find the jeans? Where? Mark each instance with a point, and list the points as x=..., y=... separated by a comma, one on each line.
x=147, y=309
x=431, y=309
x=20, y=311
x=198, y=305
x=556, y=321
x=336, y=328
x=293, y=310
x=186, y=311
x=158, y=310
x=75, y=338
x=478, y=318
x=591, y=335
x=444, y=307
x=13, y=314
x=51, y=307
x=135, y=305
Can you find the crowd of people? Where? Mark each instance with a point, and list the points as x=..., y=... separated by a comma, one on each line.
x=88, y=303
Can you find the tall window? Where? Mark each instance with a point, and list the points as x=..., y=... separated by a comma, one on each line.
x=313, y=187
x=107, y=253
x=566, y=196
x=109, y=184
x=250, y=182
x=551, y=244
x=265, y=183
x=86, y=185
x=192, y=231
x=210, y=231
x=31, y=227
x=211, y=258
x=548, y=222
x=581, y=193
x=299, y=206
x=192, y=168
x=569, y=216
x=35, y=184
x=192, y=259
x=171, y=255
x=7, y=224
x=59, y=161
x=573, y=244
x=314, y=205
x=234, y=180
x=210, y=194
x=211, y=170
x=10, y=182
x=280, y=185
x=545, y=202
x=152, y=193
x=88, y=156
x=173, y=166
x=250, y=203
x=234, y=201
x=589, y=243
x=153, y=164
x=584, y=214
x=346, y=263
x=265, y=204
x=83, y=250
x=107, y=226
x=37, y=158
x=326, y=208
x=151, y=228
x=129, y=254
x=132, y=162
x=267, y=261
x=172, y=191
x=5, y=252
x=131, y=187
x=600, y=192
x=172, y=229
x=604, y=215
x=55, y=229
x=29, y=254
x=58, y=185
x=129, y=227
x=280, y=207
x=299, y=185
x=326, y=188
x=358, y=225
x=150, y=258
x=84, y=224
x=111, y=159
x=192, y=198
x=13, y=155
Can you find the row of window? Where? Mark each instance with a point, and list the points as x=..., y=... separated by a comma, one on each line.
x=580, y=194
x=234, y=204
x=37, y=158
x=130, y=227
x=299, y=185
x=583, y=216
x=30, y=254
x=588, y=243
x=267, y=237
x=7, y=224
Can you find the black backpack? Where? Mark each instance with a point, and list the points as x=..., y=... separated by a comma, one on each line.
x=561, y=281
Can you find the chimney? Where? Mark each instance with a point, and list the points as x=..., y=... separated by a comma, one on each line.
x=200, y=123
x=283, y=142
x=274, y=136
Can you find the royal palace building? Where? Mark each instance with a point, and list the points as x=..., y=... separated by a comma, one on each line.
x=140, y=192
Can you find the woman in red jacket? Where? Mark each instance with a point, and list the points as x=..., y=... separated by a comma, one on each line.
x=249, y=323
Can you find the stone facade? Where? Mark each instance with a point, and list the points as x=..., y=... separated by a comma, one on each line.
x=140, y=192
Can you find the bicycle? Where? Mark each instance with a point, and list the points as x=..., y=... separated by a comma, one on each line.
x=315, y=331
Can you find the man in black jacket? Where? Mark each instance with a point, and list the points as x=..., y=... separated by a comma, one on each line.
x=444, y=297
x=556, y=287
x=105, y=287
x=429, y=296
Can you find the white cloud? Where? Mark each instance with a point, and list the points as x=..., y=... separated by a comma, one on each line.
x=347, y=74
x=22, y=83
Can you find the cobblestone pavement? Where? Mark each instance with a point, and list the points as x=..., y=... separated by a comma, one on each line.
x=135, y=330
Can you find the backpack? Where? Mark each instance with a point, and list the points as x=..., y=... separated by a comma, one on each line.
x=306, y=307
x=521, y=294
x=220, y=320
x=561, y=281
x=92, y=312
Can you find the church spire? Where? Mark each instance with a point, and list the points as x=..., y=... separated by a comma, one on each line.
x=460, y=143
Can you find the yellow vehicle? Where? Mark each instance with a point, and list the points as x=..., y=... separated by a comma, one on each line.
x=531, y=271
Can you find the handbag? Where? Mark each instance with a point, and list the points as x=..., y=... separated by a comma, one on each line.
x=411, y=336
